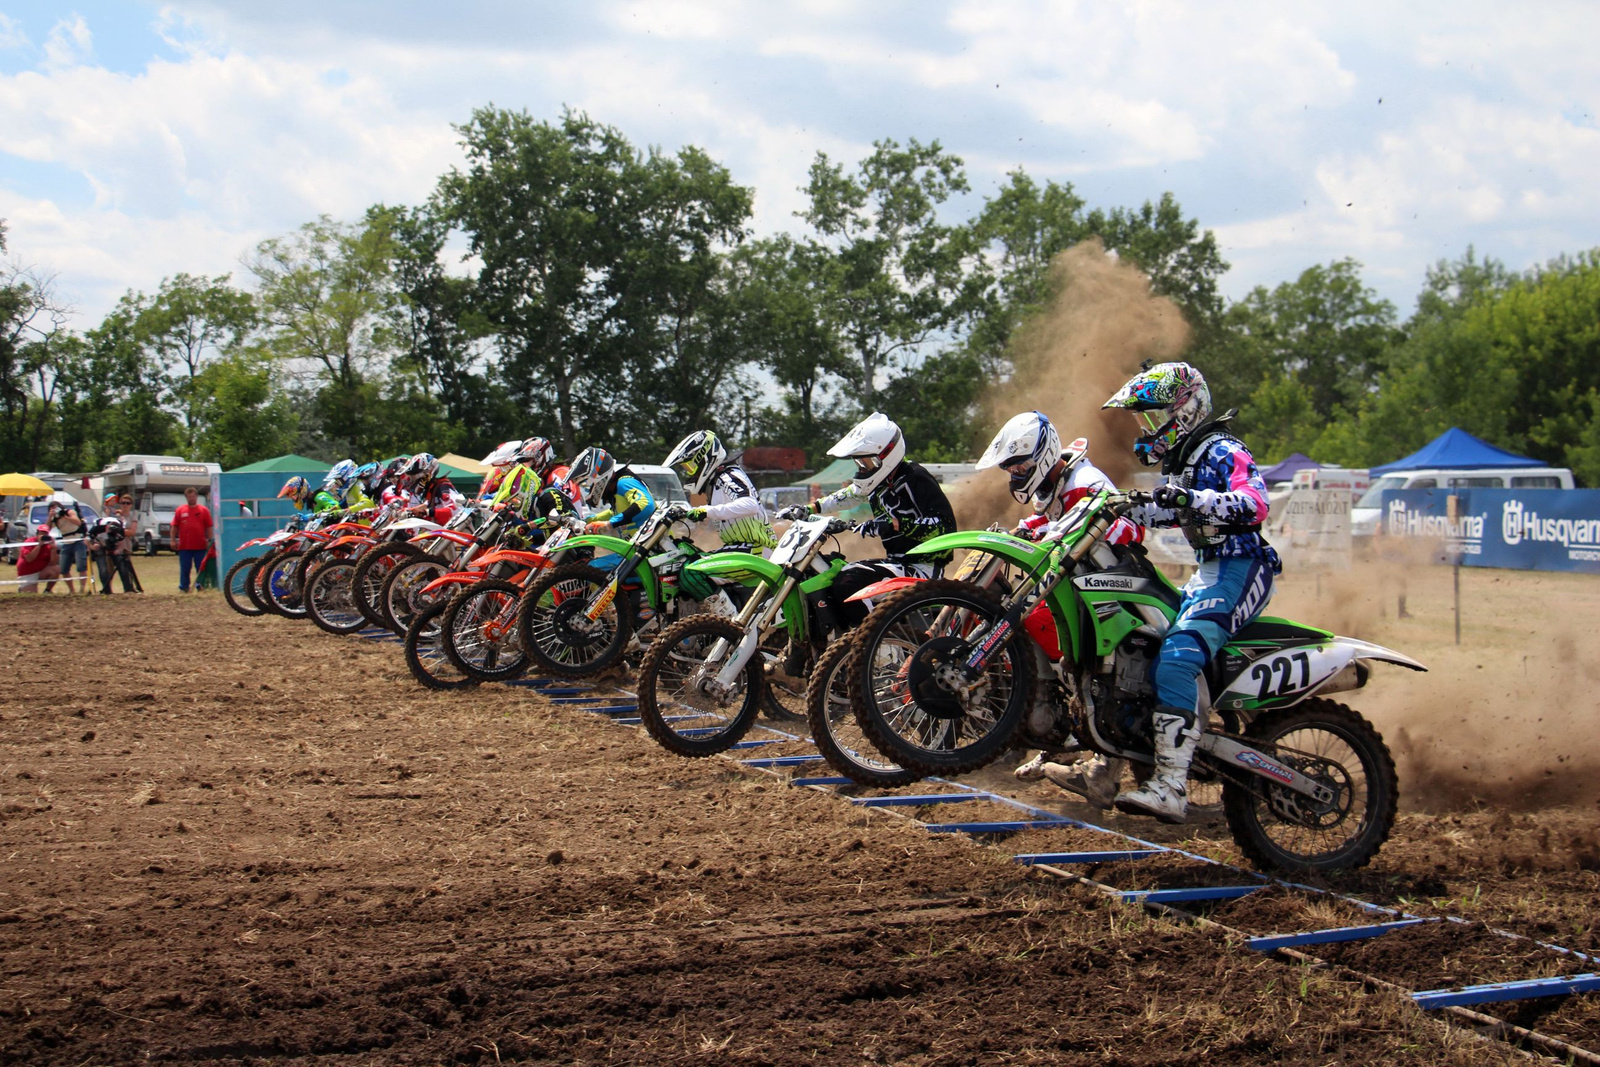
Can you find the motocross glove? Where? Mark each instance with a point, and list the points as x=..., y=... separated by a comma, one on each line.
x=793, y=512
x=1172, y=497
x=696, y=514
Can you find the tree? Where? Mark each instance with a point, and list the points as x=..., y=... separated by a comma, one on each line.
x=784, y=329
x=1326, y=332
x=32, y=327
x=893, y=278
x=596, y=263
x=189, y=321
x=110, y=395
x=324, y=294
x=240, y=415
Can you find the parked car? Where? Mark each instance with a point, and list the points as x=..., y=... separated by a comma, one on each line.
x=30, y=517
x=662, y=482
x=1368, y=511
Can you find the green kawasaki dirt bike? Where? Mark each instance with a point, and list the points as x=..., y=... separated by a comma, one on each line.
x=706, y=677
x=1306, y=782
x=581, y=618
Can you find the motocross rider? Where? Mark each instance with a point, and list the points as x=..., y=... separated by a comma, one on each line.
x=598, y=478
x=908, y=507
x=1053, y=479
x=529, y=488
x=499, y=462
x=433, y=497
x=1215, y=495
x=732, y=506
x=342, y=482
x=297, y=490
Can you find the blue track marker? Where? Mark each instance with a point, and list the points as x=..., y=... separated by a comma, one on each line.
x=1274, y=942
x=1034, y=859
x=916, y=800
x=1173, y=896
x=1486, y=994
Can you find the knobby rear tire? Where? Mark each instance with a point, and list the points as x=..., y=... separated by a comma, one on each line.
x=1253, y=822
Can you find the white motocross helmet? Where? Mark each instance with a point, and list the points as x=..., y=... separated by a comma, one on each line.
x=503, y=455
x=877, y=446
x=1027, y=449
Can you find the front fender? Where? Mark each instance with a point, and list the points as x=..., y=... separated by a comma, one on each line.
x=444, y=581
x=615, y=545
x=1023, y=553
x=746, y=568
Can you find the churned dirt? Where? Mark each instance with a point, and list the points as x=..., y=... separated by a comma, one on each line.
x=243, y=840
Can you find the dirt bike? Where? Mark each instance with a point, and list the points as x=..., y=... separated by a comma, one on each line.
x=282, y=572
x=834, y=728
x=581, y=618
x=426, y=652
x=704, y=680
x=241, y=586
x=1307, y=783
x=481, y=635
x=444, y=550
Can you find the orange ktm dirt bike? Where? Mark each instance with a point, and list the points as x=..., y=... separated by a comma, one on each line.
x=946, y=676
x=482, y=601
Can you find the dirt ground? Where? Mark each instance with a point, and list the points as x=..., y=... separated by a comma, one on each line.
x=245, y=840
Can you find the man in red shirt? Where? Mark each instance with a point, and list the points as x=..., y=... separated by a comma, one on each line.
x=191, y=531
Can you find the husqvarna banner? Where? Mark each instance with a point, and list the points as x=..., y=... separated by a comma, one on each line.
x=1518, y=529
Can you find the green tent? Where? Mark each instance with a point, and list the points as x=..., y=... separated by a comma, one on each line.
x=291, y=463
x=469, y=482
x=834, y=475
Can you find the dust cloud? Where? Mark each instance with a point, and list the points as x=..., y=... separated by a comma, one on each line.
x=1069, y=359
x=1506, y=719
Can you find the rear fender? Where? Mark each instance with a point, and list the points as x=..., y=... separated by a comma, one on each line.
x=1292, y=673
x=352, y=539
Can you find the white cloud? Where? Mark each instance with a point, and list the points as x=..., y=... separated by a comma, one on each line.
x=11, y=35
x=69, y=43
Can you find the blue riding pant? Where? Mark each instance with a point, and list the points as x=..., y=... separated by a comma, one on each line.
x=1222, y=597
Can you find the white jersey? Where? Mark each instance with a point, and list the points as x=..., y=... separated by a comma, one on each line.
x=735, y=510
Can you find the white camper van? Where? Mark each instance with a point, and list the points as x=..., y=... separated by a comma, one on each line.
x=156, y=484
x=1368, y=512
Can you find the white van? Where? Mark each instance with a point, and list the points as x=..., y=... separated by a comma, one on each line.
x=1368, y=512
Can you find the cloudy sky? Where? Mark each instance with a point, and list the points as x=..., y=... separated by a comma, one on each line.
x=142, y=139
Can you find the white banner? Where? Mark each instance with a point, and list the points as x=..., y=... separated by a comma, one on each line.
x=1311, y=529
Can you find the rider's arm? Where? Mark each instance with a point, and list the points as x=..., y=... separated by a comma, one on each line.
x=1244, y=501
x=841, y=498
x=324, y=501
x=635, y=503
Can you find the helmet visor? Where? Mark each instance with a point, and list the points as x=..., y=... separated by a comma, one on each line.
x=1021, y=471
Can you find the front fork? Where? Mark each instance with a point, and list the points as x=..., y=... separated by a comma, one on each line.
x=1033, y=591
x=754, y=619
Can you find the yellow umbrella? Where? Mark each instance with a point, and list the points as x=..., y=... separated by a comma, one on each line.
x=22, y=485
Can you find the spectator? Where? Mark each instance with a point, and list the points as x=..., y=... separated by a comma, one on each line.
x=37, y=561
x=67, y=521
x=191, y=532
x=111, y=542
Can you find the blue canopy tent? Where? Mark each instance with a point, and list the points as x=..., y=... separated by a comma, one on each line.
x=1456, y=448
x=1285, y=471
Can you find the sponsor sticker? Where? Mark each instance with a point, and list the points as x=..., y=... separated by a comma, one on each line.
x=1102, y=581
x=1265, y=766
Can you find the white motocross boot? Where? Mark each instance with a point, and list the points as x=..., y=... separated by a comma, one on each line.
x=1165, y=794
x=1095, y=779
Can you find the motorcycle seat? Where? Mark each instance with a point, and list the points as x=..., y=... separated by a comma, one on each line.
x=1271, y=630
